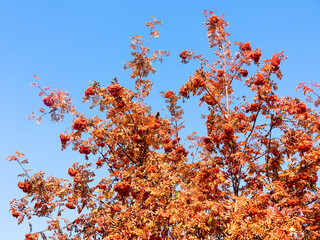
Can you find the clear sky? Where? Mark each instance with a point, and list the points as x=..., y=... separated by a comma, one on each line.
x=67, y=43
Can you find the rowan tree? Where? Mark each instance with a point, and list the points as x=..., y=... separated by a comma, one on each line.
x=252, y=176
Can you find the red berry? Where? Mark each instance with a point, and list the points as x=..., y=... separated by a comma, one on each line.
x=79, y=124
x=90, y=91
x=72, y=172
x=48, y=101
x=245, y=46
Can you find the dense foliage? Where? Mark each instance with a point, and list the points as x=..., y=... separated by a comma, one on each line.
x=253, y=176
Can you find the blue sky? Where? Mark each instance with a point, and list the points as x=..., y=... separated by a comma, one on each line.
x=68, y=43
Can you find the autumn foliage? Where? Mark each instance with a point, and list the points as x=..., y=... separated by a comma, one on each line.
x=252, y=176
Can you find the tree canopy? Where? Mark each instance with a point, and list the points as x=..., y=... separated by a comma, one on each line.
x=252, y=176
